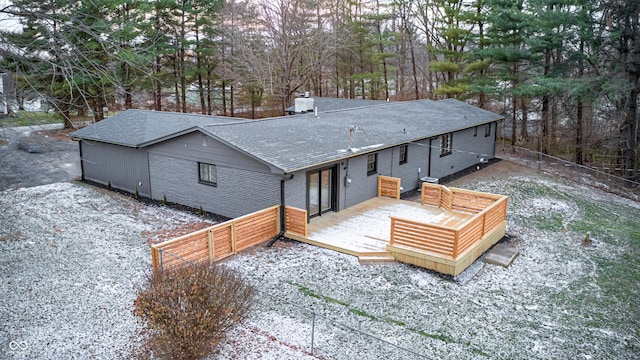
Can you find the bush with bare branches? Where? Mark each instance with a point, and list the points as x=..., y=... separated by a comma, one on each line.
x=187, y=310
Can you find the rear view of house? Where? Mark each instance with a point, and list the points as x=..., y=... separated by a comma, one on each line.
x=322, y=162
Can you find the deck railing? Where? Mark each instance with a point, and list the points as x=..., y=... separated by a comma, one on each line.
x=449, y=242
x=296, y=220
x=389, y=186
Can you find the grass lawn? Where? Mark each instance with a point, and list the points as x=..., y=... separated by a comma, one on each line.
x=26, y=118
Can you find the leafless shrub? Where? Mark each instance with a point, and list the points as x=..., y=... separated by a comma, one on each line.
x=188, y=310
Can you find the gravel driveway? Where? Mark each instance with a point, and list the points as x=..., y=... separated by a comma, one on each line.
x=36, y=155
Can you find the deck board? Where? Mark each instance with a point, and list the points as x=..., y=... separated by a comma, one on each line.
x=364, y=229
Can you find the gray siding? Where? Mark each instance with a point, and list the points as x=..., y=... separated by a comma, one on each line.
x=125, y=168
x=295, y=190
x=199, y=147
x=417, y=159
x=239, y=192
x=467, y=151
x=362, y=186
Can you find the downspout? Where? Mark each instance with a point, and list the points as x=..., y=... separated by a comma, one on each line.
x=495, y=138
x=81, y=161
x=283, y=222
x=429, y=164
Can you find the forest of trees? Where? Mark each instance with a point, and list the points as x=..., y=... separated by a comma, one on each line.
x=564, y=73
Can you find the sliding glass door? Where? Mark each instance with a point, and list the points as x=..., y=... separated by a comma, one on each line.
x=321, y=191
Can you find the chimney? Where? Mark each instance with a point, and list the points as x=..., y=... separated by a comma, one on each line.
x=309, y=102
x=300, y=105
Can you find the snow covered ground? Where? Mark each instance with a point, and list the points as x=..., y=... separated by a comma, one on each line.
x=71, y=256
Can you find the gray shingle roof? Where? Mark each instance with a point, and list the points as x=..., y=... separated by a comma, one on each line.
x=291, y=143
x=136, y=128
x=295, y=142
x=330, y=104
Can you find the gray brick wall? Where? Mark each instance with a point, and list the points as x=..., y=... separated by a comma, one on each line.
x=467, y=151
x=295, y=190
x=123, y=167
x=417, y=158
x=239, y=192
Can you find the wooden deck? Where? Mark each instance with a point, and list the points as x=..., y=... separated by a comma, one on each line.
x=447, y=231
x=364, y=229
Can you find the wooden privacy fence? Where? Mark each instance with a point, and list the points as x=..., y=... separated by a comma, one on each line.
x=454, y=199
x=218, y=241
x=296, y=220
x=227, y=238
x=436, y=195
x=389, y=186
x=489, y=211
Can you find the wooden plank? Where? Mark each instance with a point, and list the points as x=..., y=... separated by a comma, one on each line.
x=155, y=260
x=296, y=220
x=411, y=236
x=233, y=238
x=436, y=226
x=476, y=193
x=389, y=186
x=210, y=245
x=180, y=238
x=425, y=241
x=445, y=248
x=430, y=194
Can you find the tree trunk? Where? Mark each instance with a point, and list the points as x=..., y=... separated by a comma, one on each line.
x=209, y=104
x=203, y=108
x=542, y=140
x=384, y=60
x=232, y=101
x=175, y=82
x=224, y=98
x=524, y=131
x=579, y=121
x=65, y=111
x=413, y=66
x=514, y=112
x=629, y=131
x=158, y=92
x=183, y=76
x=579, y=114
x=514, y=105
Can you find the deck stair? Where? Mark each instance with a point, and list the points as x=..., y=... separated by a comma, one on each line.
x=375, y=258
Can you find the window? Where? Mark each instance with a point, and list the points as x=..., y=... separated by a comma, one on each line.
x=372, y=164
x=445, y=144
x=475, y=131
x=403, y=154
x=487, y=130
x=208, y=174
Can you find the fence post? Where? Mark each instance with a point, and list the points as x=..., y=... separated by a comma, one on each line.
x=454, y=251
x=233, y=238
x=529, y=158
x=210, y=243
x=160, y=258
x=313, y=331
x=539, y=161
